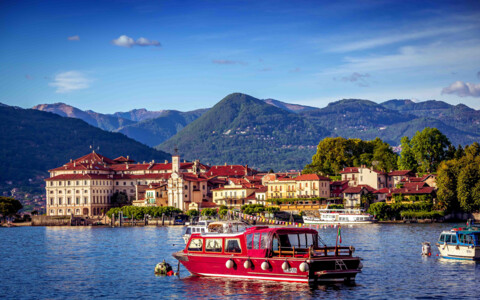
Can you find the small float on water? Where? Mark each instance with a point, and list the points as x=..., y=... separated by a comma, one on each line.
x=460, y=243
x=263, y=253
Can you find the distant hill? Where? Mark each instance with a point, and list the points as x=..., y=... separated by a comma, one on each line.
x=274, y=134
x=148, y=127
x=103, y=121
x=33, y=141
x=138, y=115
x=155, y=131
x=458, y=116
x=241, y=129
x=295, y=108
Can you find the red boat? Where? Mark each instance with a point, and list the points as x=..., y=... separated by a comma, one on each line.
x=263, y=253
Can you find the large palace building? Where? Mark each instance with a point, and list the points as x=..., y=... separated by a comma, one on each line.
x=85, y=186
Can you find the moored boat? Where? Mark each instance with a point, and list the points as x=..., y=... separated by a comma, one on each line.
x=342, y=216
x=204, y=226
x=263, y=253
x=460, y=243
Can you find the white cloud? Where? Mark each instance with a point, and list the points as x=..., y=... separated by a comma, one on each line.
x=124, y=41
x=463, y=89
x=70, y=81
x=146, y=42
x=73, y=38
x=128, y=42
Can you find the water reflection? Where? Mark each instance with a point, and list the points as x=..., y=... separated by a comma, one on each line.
x=201, y=287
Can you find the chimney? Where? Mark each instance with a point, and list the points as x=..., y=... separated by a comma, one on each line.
x=128, y=157
x=166, y=161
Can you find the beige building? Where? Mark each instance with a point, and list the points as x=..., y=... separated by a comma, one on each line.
x=312, y=186
x=364, y=176
x=234, y=194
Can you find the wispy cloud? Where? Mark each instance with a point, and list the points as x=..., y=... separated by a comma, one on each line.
x=228, y=62
x=29, y=77
x=265, y=69
x=438, y=56
x=359, y=79
x=70, y=81
x=296, y=70
x=463, y=89
x=128, y=42
x=73, y=38
x=478, y=74
x=393, y=38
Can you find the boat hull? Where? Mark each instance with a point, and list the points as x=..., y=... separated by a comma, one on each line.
x=452, y=251
x=320, y=269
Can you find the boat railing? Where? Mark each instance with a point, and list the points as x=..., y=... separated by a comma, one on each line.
x=313, y=252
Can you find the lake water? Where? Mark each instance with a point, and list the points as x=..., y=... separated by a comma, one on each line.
x=118, y=263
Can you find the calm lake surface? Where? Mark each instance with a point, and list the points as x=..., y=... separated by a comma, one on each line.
x=118, y=263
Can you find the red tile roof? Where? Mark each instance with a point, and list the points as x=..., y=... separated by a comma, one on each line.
x=311, y=177
x=399, y=173
x=229, y=171
x=358, y=189
x=79, y=177
x=349, y=170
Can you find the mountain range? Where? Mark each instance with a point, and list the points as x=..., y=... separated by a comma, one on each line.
x=32, y=142
x=269, y=133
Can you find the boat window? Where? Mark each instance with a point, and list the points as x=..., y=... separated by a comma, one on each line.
x=202, y=230
x=213, y=245
x=310, y=240
x=448, y=238
x=468, y=239
x=256, y=240
x=302, y=239
x=442, y=238
x=249, y=241
x=263, y=241
x=188, y=231
x=454, y=238
x=293, y=240
x=461, y=238
x=275, y=245
x=195, y=245
x=232, y=246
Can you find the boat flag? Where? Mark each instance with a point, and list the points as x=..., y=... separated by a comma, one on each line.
x=339, y=233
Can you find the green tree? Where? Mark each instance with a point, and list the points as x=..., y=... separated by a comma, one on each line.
x=447, y=185
x=459, y=153
x=9, y=206
x=331, y=157
x=468, y=187
x=120, y=199
x=386, y=158
x=209, y=212
x=192, y=213
x=406, y=160
x=429, y=147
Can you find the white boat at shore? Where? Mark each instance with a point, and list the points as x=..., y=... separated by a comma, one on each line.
x=342, y=216
x=460, y=243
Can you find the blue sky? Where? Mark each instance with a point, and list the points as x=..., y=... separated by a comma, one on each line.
x=111, y=56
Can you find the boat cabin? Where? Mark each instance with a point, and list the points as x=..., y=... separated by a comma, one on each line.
x=262, y=241
x=460, y=237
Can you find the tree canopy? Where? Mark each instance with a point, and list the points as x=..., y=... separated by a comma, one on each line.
x=430, y=148
x=9, y=206
x=333, y=154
